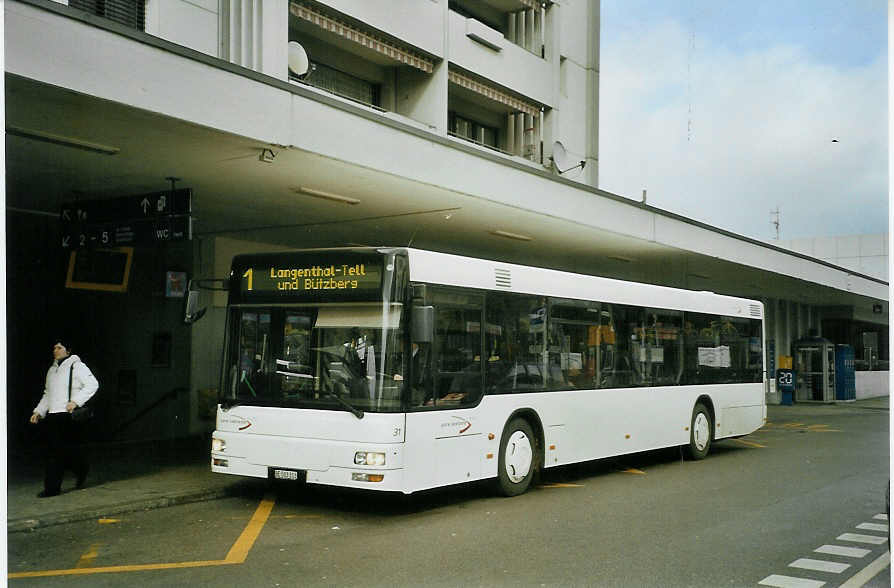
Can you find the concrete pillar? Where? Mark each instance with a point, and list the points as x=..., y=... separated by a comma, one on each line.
x=255, y=34
x=511, y=34
x=510, y=133
x=551, y=53
x=591, y=172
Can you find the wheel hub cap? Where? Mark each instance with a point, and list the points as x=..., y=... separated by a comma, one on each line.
x=701, y=431
x=518, y=457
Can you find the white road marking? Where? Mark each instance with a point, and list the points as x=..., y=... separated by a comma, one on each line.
x=790, y=582
x=857, y=538
x=843, y=551
x=881, y=517
x=869, y=572
x=873, y=527
x=818, y=565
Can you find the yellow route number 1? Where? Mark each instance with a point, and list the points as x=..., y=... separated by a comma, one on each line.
x=248, y=274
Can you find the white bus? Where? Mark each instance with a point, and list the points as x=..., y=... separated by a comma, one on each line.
x=399, y=369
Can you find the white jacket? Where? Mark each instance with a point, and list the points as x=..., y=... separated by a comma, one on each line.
x=55, y=392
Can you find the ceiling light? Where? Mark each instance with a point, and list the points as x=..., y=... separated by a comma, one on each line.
x=509, y=235
x=62, y=140
x=326, y=195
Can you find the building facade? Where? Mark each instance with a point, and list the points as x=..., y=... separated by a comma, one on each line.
x=462, y=126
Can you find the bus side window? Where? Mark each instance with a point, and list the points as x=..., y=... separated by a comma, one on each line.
x=459, y=355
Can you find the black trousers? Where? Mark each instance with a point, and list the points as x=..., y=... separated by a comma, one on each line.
x=64, y=450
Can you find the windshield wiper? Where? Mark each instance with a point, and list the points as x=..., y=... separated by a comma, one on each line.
x=352, y=409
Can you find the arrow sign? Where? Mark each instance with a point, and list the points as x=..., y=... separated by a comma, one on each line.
x=136, y=219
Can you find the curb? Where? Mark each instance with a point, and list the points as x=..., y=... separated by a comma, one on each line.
x=61, y=518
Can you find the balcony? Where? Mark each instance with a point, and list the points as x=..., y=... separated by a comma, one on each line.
x=416, y=23
x=472, y=48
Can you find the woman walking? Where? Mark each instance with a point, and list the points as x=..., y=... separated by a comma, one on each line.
x=69, y=384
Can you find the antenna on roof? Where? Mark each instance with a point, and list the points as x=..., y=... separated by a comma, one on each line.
x=775, y=222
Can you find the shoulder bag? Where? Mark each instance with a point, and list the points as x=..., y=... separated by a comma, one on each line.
x=81, y=413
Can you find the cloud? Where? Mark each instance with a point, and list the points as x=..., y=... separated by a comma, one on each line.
x=725, y=137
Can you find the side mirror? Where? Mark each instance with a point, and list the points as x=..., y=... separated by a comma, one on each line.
x=193, y=313
x=423, y=324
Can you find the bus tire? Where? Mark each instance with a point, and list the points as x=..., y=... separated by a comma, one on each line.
x=518, y=458
x=700, y=432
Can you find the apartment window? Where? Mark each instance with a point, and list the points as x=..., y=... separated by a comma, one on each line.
x=130, y=13
x=473, y=131
x=344, y=84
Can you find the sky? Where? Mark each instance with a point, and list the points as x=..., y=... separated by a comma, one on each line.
x=724, y=110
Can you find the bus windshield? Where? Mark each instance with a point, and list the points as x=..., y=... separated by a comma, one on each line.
x=338, y=356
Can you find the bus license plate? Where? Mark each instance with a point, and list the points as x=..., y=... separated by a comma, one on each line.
x=285, y=474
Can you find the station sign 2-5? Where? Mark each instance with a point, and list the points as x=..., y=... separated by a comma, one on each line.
x=128, y=220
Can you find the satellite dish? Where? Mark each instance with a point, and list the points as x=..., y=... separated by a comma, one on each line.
x=298, y=60
x=561, y=160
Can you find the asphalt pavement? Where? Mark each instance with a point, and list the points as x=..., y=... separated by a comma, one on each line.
x=142, y=476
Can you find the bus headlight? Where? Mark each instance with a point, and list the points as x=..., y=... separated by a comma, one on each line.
x=369, y=458
x=218, y=445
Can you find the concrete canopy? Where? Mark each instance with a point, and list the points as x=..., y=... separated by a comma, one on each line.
x=171, y=112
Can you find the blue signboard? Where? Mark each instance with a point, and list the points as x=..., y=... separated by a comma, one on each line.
x=785, y=383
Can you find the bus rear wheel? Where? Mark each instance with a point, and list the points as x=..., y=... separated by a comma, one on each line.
x=700, y=432
x=518, y=457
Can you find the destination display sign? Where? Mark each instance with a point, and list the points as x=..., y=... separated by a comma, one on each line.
x=339, y=277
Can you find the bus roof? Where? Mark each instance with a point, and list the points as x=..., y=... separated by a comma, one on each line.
x=455, y=270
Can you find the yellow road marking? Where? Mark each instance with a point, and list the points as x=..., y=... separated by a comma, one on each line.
x=118, y=569
x=109, y=521
x=288, y=516
x=87, y=559
x=561, y=485
x=244, y=543
x=237, y=554
x=749, y=443
x=633, y=471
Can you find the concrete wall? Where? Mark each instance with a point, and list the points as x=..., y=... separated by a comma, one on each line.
x=873, y=384
x=191, y=23
x=867, y=254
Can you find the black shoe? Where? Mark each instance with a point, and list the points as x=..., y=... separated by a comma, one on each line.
x=45, y=494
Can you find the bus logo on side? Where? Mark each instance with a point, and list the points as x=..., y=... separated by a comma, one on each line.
x=465, y=424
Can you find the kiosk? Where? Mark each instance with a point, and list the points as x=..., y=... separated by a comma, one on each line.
x=814, y=363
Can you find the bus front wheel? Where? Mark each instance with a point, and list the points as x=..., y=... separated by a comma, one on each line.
x=700, y=432
x=517, y=458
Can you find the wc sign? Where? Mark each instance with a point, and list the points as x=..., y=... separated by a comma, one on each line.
x=127, y=220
